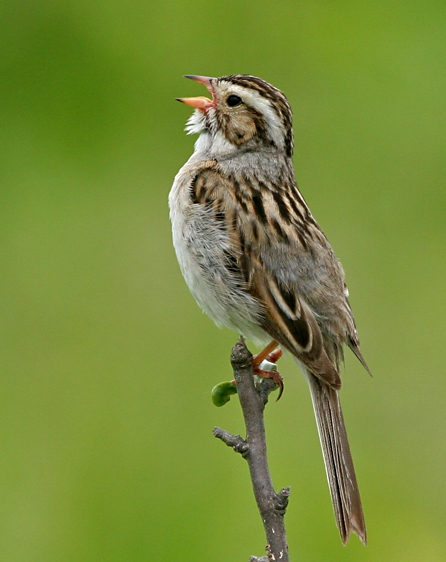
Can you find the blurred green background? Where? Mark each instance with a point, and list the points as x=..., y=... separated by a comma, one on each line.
x=106, y=447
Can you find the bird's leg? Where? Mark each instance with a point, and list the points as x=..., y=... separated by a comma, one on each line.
x=264, y=353
x=270, y=353
x=275, y=355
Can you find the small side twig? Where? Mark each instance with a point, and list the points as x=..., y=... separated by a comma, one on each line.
x=271, y=506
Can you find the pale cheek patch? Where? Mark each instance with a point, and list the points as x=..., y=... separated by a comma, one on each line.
x=264, y=107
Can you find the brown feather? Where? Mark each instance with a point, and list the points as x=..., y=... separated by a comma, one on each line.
x=301, y=336
x=338, y=461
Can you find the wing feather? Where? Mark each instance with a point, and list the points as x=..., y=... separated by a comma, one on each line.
x=250, y=211
x=300, y=334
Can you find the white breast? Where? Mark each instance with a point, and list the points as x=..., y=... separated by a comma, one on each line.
x=200, y=244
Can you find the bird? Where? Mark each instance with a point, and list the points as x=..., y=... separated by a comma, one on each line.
x=256, y=260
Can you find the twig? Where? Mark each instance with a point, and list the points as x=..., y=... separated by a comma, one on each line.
x=271, y=506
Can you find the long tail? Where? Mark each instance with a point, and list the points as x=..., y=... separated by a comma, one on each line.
x=338, y=461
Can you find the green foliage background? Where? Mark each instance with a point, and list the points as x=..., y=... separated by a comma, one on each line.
x=106, y=361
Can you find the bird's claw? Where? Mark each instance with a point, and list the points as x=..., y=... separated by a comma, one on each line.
x=274, y=375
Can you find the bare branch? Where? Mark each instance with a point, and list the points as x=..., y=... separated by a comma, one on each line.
x=253, y=399
x=235, y=441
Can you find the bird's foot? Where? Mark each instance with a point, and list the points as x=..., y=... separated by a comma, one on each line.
x=272, y=355
x=274, y=375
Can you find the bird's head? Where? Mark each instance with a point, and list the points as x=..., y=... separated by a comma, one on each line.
x=245, y=114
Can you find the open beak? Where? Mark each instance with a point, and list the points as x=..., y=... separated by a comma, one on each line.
x=200, y=102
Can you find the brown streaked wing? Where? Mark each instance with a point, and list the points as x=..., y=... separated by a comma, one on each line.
x=288, y=318
x=294, y=327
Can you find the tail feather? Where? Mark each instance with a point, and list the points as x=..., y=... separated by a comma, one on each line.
x=338, y=461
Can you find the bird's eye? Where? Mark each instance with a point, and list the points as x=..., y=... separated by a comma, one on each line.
x=232, y=101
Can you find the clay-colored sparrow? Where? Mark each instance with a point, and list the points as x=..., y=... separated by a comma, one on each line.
x=256, y=260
